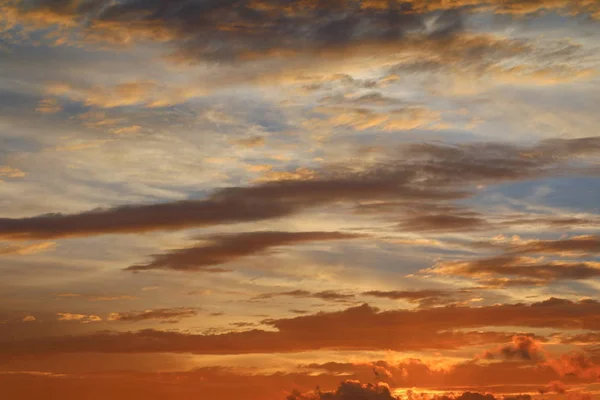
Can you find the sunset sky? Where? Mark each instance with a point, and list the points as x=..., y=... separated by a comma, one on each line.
x=299, y=199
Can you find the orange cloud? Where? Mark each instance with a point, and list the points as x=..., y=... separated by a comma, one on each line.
x=26, y=249
x=574, y=246
x=11, y=172
x=83, y=318
x=356, y=328
x=492, y=270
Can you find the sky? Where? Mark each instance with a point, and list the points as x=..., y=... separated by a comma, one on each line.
x=299, y=199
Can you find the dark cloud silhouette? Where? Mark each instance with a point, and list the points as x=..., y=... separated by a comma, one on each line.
x=349, y=390
x=221, y=249
x=355, y=390
x=422, y=172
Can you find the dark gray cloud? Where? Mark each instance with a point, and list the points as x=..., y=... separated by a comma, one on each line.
x=232, y=29
x=221, y=249
x=227, y=30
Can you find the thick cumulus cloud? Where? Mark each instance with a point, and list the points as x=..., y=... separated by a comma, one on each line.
x=422, y=172
x=527, y=348
x=355, y=390
x=350, y=390
x=575, y=364
x=521, y=347
x=356, y=328
x=225, y=248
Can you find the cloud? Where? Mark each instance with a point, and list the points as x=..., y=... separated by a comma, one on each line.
x=350, y=390
x=49, y=106
x=251, y=142
x=355, y=390
x=246, y=30
x=83, y=318
x=462, y=221
x=530, y=270
x=327, y=295
x=10, y=172
x=522, y=347
x=527, y=348
x=232, y=384
x=424, y=297
x=394, y=120
x=579, y=396
x=28, y=318
x=150, y=94
x=476, y=396
x=96, y=298
x=221, y=249
x=356, y=328
x=166, y=315
x=238, y=30
x=422, y=172
x=583, y=338
x=111, y=298
x=574, y=246
x=26, y=249
x=575, y=364
x=557, y=387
